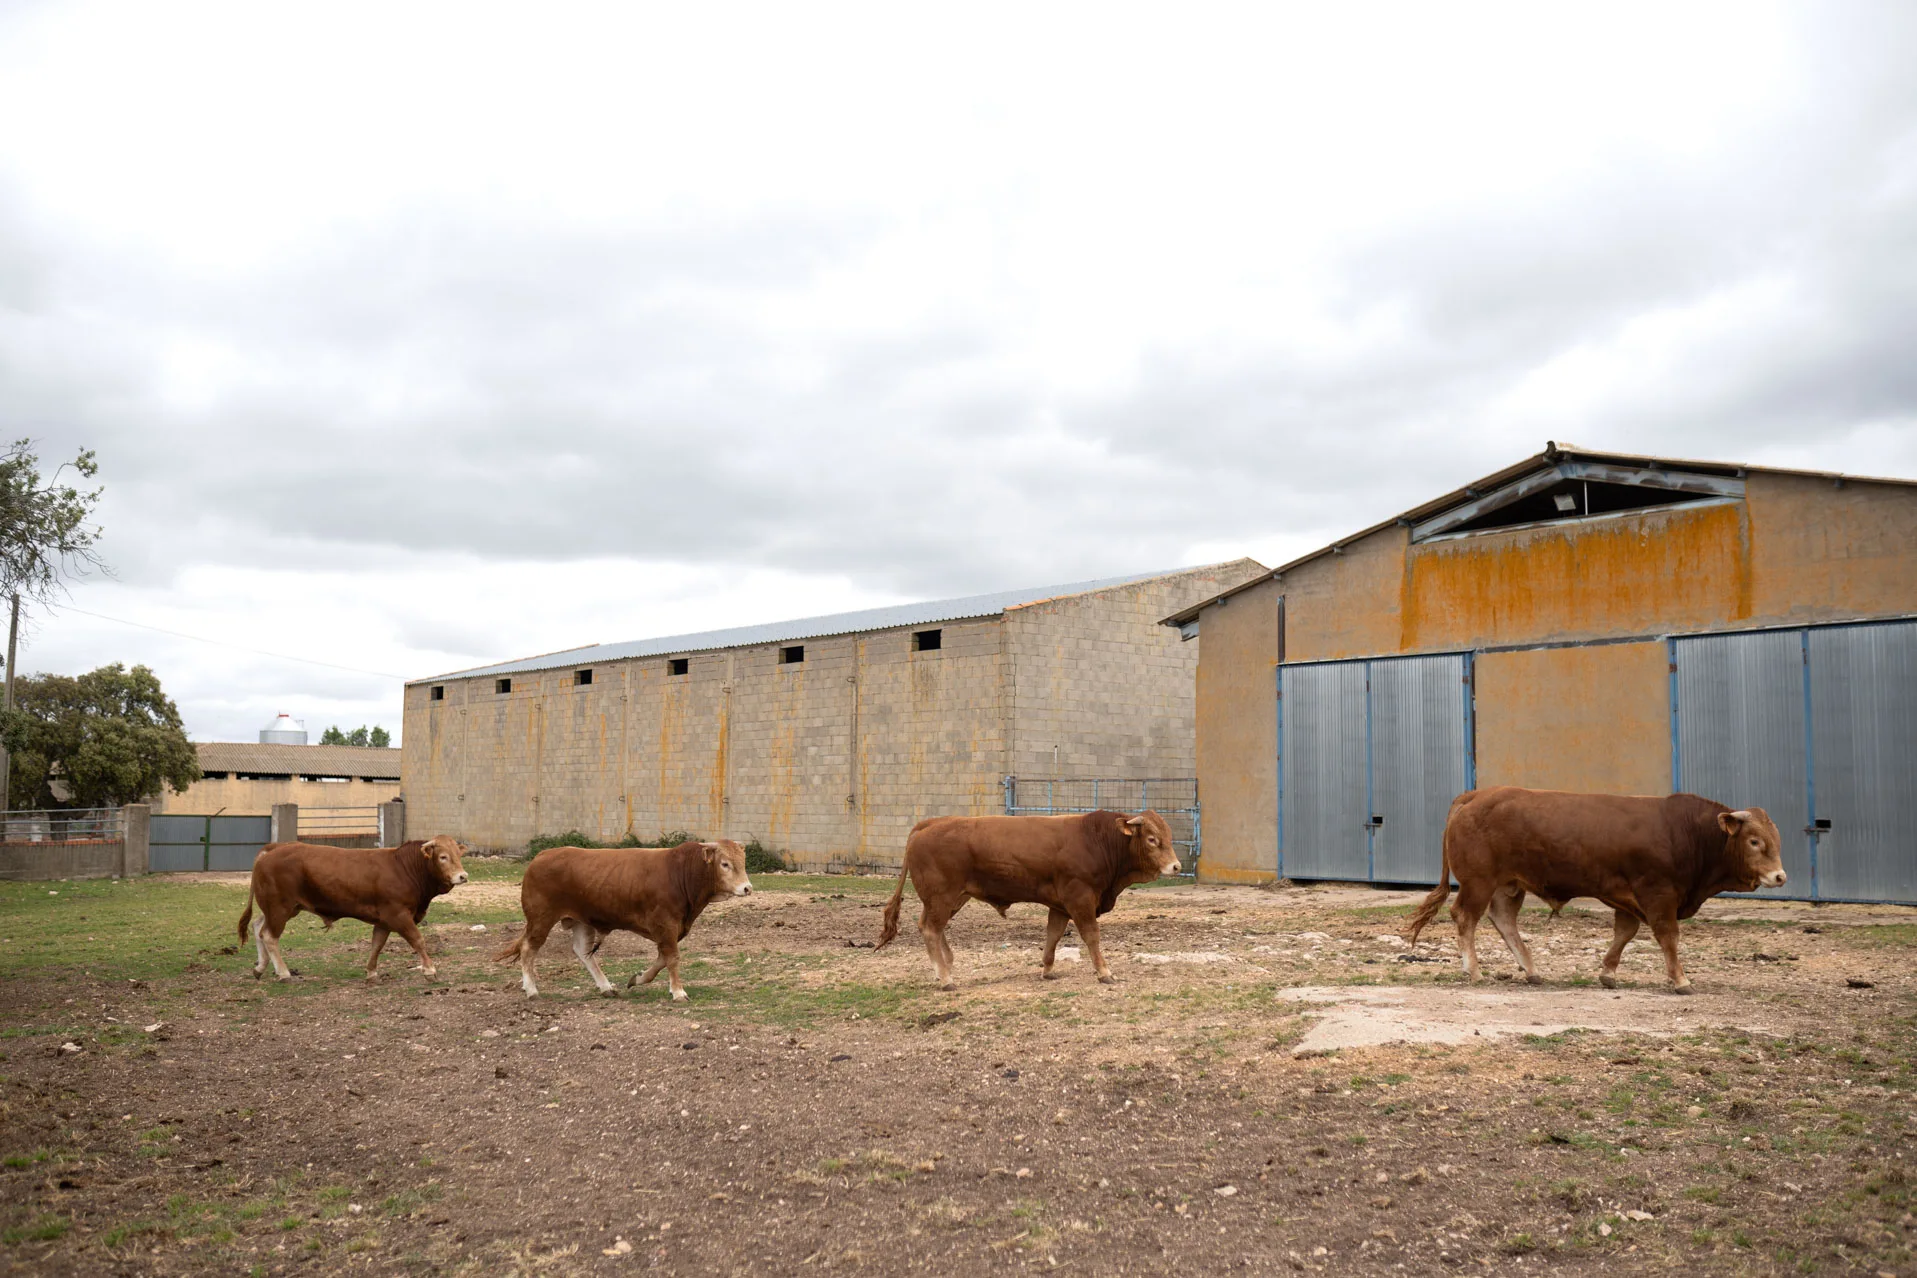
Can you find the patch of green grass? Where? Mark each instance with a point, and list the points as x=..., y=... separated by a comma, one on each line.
x=407, y=1201
x=291, y=1223
x=1702, y=1193
x=135, y=1229
x=27, y=1159
x=43, y=1228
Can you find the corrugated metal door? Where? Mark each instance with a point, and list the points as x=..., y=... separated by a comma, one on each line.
x=1371, y=753
x=1321, y=771
x=178, y=843
x=1420, y=762
x=1818, y=727
x=1737, y=703
x=1863, y=698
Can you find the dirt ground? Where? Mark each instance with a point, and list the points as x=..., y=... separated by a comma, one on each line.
x=1276, y=1084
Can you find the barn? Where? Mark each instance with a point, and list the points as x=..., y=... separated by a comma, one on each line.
x=1579, y=621
x=827, y=737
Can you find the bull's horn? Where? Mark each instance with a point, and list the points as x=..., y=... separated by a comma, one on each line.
x=1133, y=820
x=1742, y=814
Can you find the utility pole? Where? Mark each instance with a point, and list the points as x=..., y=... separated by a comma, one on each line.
x=6, y=759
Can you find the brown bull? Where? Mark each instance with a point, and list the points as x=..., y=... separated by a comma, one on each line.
x=1651, y=860
x=1074, y=865
x=656, y=892
x=387, y=887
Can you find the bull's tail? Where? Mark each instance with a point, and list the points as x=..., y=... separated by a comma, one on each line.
x=512, y=950
x=246, y=916
x=891, y=928
x=1434, y=900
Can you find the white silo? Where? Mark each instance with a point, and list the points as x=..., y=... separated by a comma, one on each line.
x=285, y=730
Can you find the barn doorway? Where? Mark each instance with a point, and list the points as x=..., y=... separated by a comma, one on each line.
x=1817, y=726
x=1370, y=754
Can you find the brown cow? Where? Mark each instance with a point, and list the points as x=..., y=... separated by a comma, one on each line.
x=1074, y=865
x=1651, y=860
x=656, y=892
x=387, y=887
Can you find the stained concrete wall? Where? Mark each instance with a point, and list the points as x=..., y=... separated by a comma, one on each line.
x=1237, y=735
x=1796, y=549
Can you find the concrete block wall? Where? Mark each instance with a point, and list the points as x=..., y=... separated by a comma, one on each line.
x=1101, y=688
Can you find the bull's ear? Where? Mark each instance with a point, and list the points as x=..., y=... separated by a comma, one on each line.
x=426, y=849
x=711, y=850
x=1128, y=825
x=1729, y=822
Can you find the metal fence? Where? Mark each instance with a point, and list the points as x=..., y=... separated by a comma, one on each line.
x=355, y=827
x=1174, y=798
x=178, y=842
x=70, y=825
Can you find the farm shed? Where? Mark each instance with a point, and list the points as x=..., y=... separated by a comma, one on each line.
x=1577, y=621
x=245, y=777
x=828, y=736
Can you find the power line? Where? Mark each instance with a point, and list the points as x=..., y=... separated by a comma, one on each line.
x=221, y=643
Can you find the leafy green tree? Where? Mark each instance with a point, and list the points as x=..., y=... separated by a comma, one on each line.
x=46, y=533
x=104, y=738
x=332, y=736
x=357, y=737
x=381, y=738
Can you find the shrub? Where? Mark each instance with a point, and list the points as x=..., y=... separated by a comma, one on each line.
x=761, y=859
x=579, y=839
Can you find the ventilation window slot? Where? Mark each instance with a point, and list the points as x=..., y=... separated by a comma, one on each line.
x=582, y=678
x=928, y=640
x=678, y=665
x=793, y=655
x=1576, y=490
x=502, y=685
x=438, y=693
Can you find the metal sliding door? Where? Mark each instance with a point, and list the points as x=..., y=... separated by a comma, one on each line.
x=1863, y=697
x=1818, y=727
x=1370, y=755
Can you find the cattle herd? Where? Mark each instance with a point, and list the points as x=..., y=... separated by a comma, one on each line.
x=1652, y=860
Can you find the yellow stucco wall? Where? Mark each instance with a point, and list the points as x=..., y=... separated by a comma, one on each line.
x=1576, y=718
x=256, y=798
x=1820, y=552
x=1237, y=717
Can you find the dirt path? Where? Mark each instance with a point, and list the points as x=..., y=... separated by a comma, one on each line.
x=819, y=1107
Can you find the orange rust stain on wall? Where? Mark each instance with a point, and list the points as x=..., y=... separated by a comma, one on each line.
x=1648, y=573
x=1594, y=719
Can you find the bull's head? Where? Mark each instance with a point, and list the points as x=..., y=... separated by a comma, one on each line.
x=1151, y=842
x=443, y=853
x=727, y=860
x=1753, y=847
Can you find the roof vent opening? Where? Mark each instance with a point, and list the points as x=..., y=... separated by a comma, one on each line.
x=678, y=665
x=502, y=685
x=1576, y=490
x=793, y=655
x=438, y=693
x=928, y=640
x=582, y=678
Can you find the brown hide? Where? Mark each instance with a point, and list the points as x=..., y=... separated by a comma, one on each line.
x=1075, y=866
x=1652, y=860
x=389, y=888
x=655, y=892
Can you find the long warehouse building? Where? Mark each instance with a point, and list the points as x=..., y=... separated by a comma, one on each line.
x=827, y=737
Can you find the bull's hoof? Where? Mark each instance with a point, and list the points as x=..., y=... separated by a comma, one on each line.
x=1533, y=979
x=948, y=986
x=372, y=978
x=258, y=973
x=611, y=991
x=680, y=996
x=1048, y=974
x=1106, y=978
x=1683, y=989
x=1608, y=980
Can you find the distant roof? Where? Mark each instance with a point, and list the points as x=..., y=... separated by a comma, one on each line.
x=1553, y=454
x=840, y=623
x=312, y=760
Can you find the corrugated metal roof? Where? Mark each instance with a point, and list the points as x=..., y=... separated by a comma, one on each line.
x=842, y=623
x=1553, y=454
x=310, y=760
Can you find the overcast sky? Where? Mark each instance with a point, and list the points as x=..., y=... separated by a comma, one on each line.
x=416, y=336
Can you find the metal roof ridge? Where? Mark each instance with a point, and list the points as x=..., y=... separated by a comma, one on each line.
x=827, y=625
